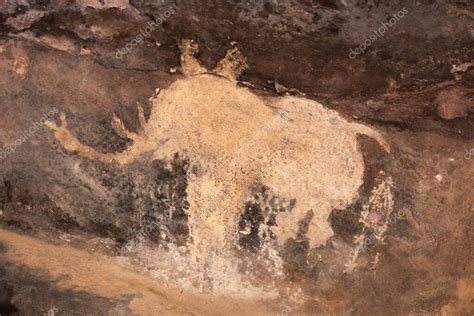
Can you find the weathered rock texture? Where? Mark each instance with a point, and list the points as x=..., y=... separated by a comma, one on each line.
x=82, y=234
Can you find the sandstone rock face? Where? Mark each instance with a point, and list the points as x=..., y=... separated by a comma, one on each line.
x=24, y=21
x=294, y=158
x=238, y=141
x=454, y=103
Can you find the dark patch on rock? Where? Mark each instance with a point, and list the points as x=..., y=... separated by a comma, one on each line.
x=251, y=219
x=6, y=296
x=345, y=223
x=261, y=209
x=35, y=294
x=144, y=198
x=149, y=200
x=295, y=251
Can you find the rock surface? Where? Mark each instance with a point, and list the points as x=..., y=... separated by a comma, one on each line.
x=454, y=103
x=94, y=236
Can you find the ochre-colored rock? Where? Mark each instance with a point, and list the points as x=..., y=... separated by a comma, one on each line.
x=453, y=103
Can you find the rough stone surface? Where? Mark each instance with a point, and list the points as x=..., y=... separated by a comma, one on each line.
x=81, y=235
x=454, y=103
